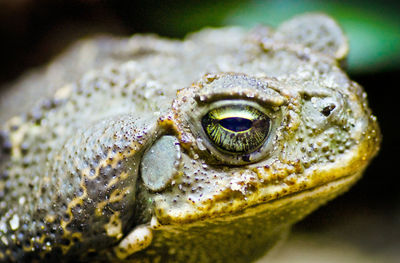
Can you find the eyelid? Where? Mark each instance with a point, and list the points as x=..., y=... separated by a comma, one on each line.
x=239, y=114
x=236, y=110
x=268, y=97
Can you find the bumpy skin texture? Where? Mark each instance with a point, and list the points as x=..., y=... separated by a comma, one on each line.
x=72, y=183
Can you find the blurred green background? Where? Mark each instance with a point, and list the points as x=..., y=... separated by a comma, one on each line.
x=367, y=218
x=34, y=30
x=373, y=27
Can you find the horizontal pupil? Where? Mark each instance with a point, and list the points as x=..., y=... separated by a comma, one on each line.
x=236, y=124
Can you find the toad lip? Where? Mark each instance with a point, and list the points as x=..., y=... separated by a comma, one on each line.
x=316, y=195
x=313, y=197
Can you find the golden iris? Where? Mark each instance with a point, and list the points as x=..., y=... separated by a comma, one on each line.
x=236, y=128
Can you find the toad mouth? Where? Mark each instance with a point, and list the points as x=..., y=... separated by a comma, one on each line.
x=325, y=192
x=307, y=199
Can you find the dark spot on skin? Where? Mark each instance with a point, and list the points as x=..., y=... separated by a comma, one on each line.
x=5, y=143
x=3, y=134
x=24, y=148
x=14, y=127
x=65, y=241
x=31, y=257
x=304, y=57
x=326, y=111
x=4, y=175
x=306, y=97
x=246, y=158
x=47, y=256
x=79, y=192
x=66, y=217
x=80, y=228
x=52, y=230
x=26, y=162
x=36, y=115
x=46, y=104
x=92, y=254
x=27, y=243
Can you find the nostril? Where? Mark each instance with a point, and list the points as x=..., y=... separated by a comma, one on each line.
x=326, y=111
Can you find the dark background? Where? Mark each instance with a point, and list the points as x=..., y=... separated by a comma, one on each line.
x=34, y=31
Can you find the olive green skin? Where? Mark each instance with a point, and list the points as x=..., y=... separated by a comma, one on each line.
x=72, y=186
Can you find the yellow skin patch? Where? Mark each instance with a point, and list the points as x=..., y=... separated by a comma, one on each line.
x=114, y=227
x=137, y=240
x=116, y=195
x=74, y=202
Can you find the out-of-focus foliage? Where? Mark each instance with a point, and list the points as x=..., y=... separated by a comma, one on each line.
x=34, y=30
x=373, y=27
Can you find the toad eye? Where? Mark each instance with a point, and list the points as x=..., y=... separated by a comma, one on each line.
x=236, y=128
